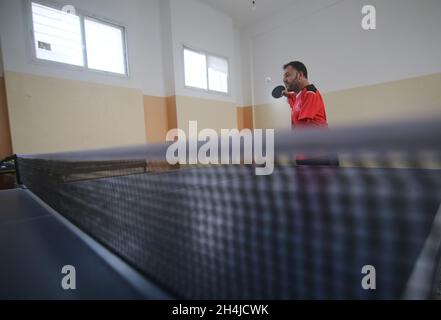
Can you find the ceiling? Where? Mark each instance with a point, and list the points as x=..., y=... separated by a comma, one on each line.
x=242, y=13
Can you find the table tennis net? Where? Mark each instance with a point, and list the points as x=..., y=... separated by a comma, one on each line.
x=303, y=232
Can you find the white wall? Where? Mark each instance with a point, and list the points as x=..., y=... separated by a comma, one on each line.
x=1, y=58
x=156, y=32
x=327, y=36
x=198, y=25
x=236, y=69
x=247, y=75
x=141, y=19
x=167, y=48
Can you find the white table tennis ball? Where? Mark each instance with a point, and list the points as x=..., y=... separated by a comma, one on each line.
x=69, y=9
x=268, y=80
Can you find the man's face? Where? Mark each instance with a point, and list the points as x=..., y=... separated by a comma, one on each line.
x=291, y=79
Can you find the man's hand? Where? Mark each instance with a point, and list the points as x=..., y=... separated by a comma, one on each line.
x=287, y=93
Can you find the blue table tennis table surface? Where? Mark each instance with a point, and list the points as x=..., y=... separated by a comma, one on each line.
x=36, y=243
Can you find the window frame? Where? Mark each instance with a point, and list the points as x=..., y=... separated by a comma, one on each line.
x=206, y=54
x=82, y=15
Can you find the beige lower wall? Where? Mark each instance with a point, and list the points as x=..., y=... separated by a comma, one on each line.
x=165, y=113
x=275, y=115
x=401, y=100
x=160, y=117
x=52, y=115
x=5, y=133
x=172, y=117
x=245, y=117
x=407, y=99
x=211, y=114
x=156, y=122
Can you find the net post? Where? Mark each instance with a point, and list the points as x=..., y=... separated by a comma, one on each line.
x=17, y=170
x=13, y=158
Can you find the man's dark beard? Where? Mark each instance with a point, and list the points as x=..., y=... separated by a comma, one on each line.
x=294, y=88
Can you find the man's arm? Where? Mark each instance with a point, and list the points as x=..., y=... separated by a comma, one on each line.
x=291, y=97
x=288, y=94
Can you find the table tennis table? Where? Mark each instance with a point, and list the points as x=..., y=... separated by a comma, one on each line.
x=35, y=244
x=135, y=228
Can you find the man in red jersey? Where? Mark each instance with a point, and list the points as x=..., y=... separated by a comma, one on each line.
x=307, y=107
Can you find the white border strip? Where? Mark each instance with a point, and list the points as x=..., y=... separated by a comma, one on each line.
x=420, y=283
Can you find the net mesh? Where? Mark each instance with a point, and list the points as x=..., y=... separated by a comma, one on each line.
x=222, y=232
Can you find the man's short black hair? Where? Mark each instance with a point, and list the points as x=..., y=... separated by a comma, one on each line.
x=299, y=66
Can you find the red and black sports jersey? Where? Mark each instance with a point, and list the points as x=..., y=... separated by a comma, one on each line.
x=307, y=108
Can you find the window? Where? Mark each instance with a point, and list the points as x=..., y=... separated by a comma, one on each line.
x=78, y=40
x=205, y=71
x=57, y=35
x=195, y=69
x=217, y=74
x=104, y=46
